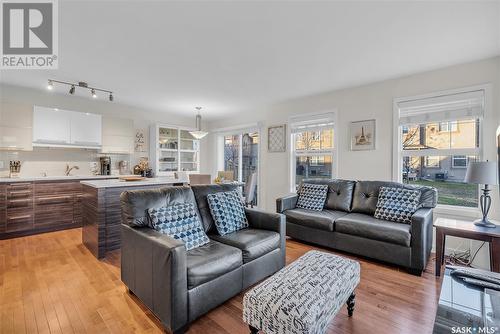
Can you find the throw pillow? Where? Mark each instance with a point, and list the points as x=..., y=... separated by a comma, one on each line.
x=397, y=204
x=180, y=221
x=312, y=196
x=228, y=211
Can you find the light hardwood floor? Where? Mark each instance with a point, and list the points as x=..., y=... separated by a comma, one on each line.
x=50, y=283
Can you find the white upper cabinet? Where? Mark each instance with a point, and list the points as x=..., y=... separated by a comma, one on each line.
x=16, y=120
x=117, y=135
x=51, y=126
x=85, y=129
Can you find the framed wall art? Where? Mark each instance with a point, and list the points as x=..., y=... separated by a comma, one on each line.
x=362, y=135
x=276, y=138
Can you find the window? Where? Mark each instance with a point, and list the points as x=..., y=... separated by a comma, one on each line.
x=460, y=161
x=448, y=126
x=432, y=162
x=312, y=148
x=437, y=137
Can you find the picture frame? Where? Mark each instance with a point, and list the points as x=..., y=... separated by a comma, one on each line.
x=363, y=135
x=276, y=138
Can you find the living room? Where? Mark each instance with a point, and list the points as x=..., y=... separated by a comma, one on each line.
x=312, y=113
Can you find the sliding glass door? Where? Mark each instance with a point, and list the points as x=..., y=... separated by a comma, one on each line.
x=241, y=156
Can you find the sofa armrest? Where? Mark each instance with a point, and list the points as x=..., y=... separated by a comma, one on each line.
x=153, y=266
x=263, y=220
x=286, y=203
x=421, y=237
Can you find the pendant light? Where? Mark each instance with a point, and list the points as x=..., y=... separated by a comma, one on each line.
x=198, y=134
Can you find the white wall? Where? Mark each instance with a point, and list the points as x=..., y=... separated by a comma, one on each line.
x=361, y=103
x=54, y=160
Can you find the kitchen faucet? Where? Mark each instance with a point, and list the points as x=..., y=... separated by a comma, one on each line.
x=68, y=169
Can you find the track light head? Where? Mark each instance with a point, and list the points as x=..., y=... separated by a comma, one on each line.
x=50, y=85
x=72, y=90
x=94, y=95
x=111, y=98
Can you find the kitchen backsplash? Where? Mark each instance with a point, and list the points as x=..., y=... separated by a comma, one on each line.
x=53, y=161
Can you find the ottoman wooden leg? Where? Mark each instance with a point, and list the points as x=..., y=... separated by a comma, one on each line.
x=253, y=330
x=350, y=304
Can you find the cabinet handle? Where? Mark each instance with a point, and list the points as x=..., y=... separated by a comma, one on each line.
x=51, y=141
x=19, y=200
x=21, y=192
x=19, y=184
x=86, y=142
x=19, y=217
x=54, y=200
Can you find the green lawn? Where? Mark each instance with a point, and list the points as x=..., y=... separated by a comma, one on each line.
x=453, y=193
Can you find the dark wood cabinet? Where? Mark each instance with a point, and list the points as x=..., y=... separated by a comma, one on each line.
x=39, y=206
x=18, y=207
x=55, y=204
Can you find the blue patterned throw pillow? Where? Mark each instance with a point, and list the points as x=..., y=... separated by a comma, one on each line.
x=228, y=211
x=312, y=196
x=397, y=204
x=180, y=221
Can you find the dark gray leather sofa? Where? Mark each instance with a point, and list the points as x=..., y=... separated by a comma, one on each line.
x=347, y=223
x=177, y=285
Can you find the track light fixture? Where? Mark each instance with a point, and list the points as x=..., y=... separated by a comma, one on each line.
x=80, y=84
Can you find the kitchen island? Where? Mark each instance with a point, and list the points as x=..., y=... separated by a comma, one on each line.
x=101, y=210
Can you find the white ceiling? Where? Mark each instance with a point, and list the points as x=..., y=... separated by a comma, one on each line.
x=231, y=57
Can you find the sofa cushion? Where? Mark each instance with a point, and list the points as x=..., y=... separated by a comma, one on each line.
x=321, y=220
x=365, y=196
x=397, y=204
x=339, y=195
x=180, y=221
x=371, y=228
x=252, y=242
x=210, y=261
x=228, y=211
x=200, y=194
x=312, y=196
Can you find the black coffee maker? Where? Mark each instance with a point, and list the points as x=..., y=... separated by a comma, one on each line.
x=105, y=163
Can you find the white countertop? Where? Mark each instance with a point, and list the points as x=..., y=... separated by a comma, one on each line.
x=56, y=178
x=115, y=183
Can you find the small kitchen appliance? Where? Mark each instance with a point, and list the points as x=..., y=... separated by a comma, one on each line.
x=105, y=163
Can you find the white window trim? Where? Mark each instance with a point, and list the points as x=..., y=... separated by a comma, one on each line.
x=292, y=154
x=397, y=153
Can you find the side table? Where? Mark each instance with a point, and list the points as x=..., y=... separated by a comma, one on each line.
x=466, y=229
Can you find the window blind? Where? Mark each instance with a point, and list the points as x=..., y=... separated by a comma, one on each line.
x=311, y=123
x=442, y=108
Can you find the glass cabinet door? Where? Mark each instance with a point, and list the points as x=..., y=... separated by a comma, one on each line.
x=189, y=161
x=188, y=142
x=168, y=138
x=168, y=161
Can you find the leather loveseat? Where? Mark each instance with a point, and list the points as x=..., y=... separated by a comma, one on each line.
x=177, y=285
x=346, y=223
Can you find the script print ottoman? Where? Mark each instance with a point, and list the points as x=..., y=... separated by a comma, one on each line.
x=304, y=296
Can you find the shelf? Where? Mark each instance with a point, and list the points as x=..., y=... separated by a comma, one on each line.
x=168, y=149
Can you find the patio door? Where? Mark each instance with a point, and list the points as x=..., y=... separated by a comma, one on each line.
x=240, y=155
